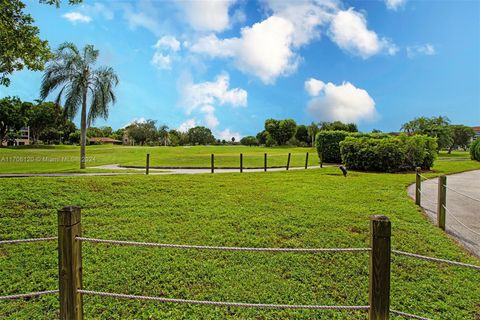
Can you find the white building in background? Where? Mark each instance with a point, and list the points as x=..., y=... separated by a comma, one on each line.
x=23, y=138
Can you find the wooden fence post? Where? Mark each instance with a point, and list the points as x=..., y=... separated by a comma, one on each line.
x=442, y=201
x=265, y=162
x=70, y=263
x=418, y=187
x=147, y=166
x=379, y=268
x=306, y=161
x=288, y=161
x=241, y=162
x=212, y=163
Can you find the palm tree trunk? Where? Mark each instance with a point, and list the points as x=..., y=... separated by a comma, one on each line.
x=83, y=130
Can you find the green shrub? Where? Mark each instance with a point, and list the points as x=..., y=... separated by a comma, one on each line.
x=328, y=143
x=420, y=151
x=475, y=150
x=388, y=154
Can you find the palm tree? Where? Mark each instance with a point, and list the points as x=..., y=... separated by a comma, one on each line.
x=74, y=73
x=164, y=134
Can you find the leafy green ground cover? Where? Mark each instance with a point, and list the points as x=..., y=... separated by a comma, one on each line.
x=65, y=158
x=306, y=208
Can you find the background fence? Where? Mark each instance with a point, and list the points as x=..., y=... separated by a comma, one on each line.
x=441, y=201
x=71, y=288
x=241, y=165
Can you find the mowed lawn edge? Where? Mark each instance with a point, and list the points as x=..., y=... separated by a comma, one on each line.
x=314, y=208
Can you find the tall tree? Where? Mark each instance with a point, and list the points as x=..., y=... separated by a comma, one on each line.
x=338, y=126
x=20, y=44
x=45, y=119
x=281, y=130
x=312, y=132
x=75, y=73
x=200, y=135
x=302, y=134
x=164, y=134
x=143, y=132
x=461, y=137
x=437, y=127
x=12, y=116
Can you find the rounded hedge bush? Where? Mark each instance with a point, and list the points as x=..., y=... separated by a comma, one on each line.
x=475, y=150
x=390, y=154
x=328, y=143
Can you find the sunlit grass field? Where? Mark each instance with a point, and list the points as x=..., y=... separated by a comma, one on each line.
x=301, y=208
x=66, y=158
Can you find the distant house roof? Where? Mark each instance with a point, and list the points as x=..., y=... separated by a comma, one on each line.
x=476, y=129
x=103, y=140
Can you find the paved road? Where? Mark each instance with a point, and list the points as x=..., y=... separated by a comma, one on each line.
x=463, y=213
x=142, y=171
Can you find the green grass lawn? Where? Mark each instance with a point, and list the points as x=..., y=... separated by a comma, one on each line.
x=454, y=154
x=304, y=208
x=66, y=158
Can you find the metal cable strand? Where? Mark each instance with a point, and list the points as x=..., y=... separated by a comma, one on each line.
x=184, y=246
x=408, y=315
x=27, y=240
x=463, y=194
x=461, y=223
x=28, y=295
x=413, y=255
x=222, y=304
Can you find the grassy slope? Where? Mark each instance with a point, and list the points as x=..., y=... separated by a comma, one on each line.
x=65, y=158
x=315, y=208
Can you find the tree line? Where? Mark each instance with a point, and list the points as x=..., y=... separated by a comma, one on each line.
x=287, y=132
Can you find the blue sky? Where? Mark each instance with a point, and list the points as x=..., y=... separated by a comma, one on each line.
x=231, y=64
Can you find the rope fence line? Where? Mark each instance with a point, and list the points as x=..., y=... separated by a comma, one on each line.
x=461, y=193
x=418, y=256
x=28, y=295
x=27, y=240
x=425, y=178
x=178, y=246
x=221, y=303
x=408, y=315
x=460, y=222
x=426, y=199
x=184, y=246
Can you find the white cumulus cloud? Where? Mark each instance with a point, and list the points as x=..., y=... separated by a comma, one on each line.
x=164, y=49
x=203, y=98
x=314, y=86
x=188, y=124
x=426, y=49
x=349, y=31
x=343, y=102
x=75, y=17
x=167, y=42
x=263, y=49
x=207, y=15
x=395, y=4
x=227, y=135
x=269, y=49
x=306, y=17
x=196, y=96
x=162, y=61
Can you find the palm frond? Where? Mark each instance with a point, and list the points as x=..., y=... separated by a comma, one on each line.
x=103, y=82
x=74, y=97
x=90, y=54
